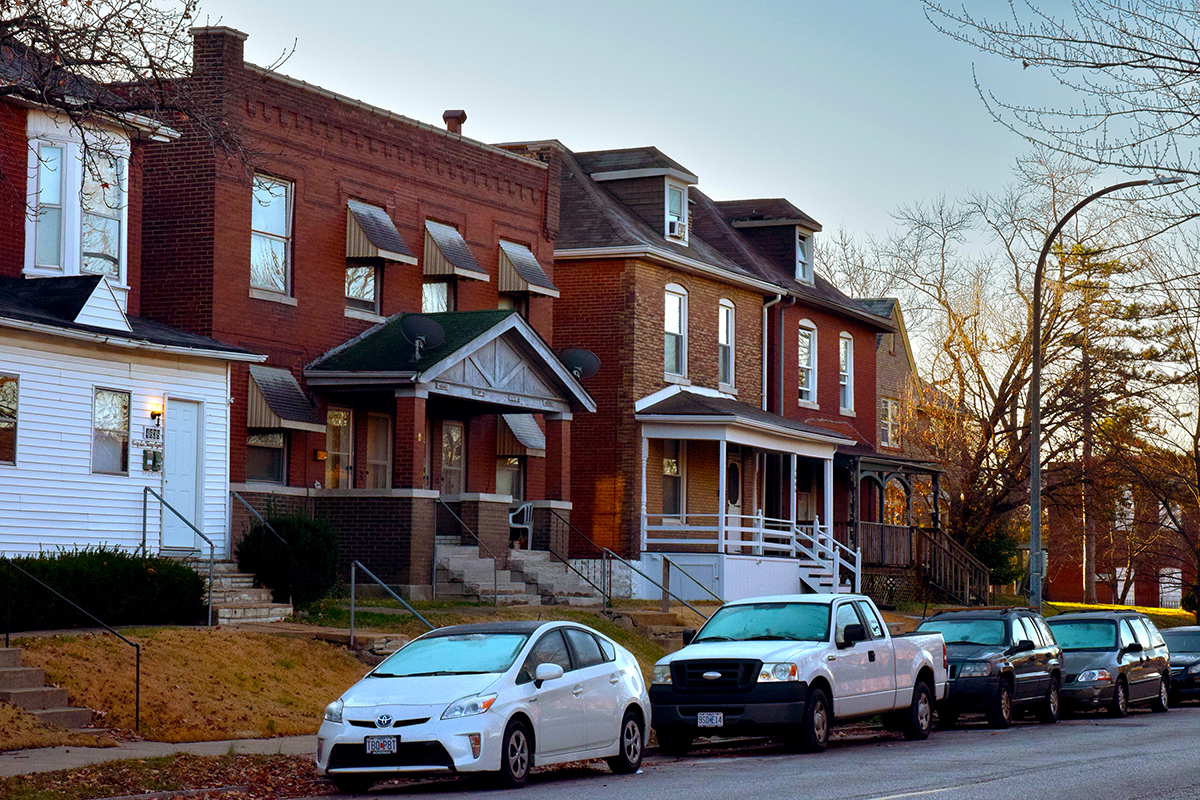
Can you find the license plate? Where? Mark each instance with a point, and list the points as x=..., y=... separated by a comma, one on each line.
x=381, y=745
x=710, y=719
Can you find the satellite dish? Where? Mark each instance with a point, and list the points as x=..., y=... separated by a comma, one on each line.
x=422, y=332
x=581, y=363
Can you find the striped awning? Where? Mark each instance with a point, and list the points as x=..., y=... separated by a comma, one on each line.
x=446, y=253
x=370, y=233
x=520, y=435
x=277, y=401
x=521, y=272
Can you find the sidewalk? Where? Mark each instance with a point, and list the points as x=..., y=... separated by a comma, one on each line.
x=49, y=759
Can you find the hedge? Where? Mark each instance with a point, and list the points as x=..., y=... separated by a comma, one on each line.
x=303, y=570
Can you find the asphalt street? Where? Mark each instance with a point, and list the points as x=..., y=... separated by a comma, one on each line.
x=1146, y=755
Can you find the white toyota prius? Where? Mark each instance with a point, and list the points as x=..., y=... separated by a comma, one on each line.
x=499, y=697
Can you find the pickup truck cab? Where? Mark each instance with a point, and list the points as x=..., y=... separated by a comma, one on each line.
x=791, y=666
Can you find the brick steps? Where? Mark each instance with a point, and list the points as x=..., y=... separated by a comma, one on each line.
x=24, y=687
x=235, y=598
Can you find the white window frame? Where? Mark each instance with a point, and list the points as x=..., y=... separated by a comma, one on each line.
x=682, y=478
x=360, y=303
x=682, y=219
x=726, y=318
x=846, y=373
x=15, y=419
x=804, y=261
x=128, y=430
x=889, y=428
x=811, y=368
x=289, y=187
x=43, y=130
x=426, y=298
x=675, y=290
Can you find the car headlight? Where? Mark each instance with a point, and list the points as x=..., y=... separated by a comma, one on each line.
x=975, y=669
x=469, y=706
x=333, y=711
x=1094, y=676
x=1194, y=669
x=776, y=673
x=662, y=674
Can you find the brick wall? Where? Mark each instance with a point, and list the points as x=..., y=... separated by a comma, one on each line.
x=14, y=158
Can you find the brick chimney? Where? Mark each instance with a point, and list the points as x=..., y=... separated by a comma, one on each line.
x=217, y=50
x=454, y=118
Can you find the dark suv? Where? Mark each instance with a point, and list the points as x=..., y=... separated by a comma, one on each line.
x=1184, y=644
x=999, y=659
x=1112, y=660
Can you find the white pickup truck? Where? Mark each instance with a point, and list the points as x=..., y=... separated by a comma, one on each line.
x=791, y=666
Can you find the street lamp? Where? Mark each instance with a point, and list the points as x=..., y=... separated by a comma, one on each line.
x=1036, y=567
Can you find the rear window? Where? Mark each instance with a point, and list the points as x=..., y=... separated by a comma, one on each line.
x=989, y=632
x=1089, y=635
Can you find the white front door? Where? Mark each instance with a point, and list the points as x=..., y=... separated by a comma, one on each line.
x=181, y=456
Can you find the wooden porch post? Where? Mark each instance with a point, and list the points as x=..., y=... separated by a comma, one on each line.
x=829, y=498
x=645, y=458
x=722, y=456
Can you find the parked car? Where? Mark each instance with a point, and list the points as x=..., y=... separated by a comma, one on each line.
x=1112, y=660
x=1000, y=660
x=499, y=697
x=1184, y=644
x=792, y=666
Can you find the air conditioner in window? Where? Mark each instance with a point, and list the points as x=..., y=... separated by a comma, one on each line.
x=676, y=228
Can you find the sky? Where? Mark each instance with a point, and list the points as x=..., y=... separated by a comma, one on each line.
x=848, y=108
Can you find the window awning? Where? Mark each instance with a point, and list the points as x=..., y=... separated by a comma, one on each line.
x=521, y=272
x=370, y=233
x=277, y=401
x=520, y=436
x=446, y=253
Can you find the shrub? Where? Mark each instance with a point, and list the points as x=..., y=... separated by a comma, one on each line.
x=116, y=586
x=304, y=569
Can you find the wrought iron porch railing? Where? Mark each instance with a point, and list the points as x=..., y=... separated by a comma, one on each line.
x=212, y=548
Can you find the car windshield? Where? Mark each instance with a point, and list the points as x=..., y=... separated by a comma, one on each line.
x=1081, y=635
x=966, y=631
x=457, y=654
x=1182, y=641
x=804, y=622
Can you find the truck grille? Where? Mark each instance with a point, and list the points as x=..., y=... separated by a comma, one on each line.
x=734, y=675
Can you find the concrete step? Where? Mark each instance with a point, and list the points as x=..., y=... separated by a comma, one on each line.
x=21, y=677
x=65, y=716
x=252, y=612
x=10, y=656
x=232, y=596
x=34, y=698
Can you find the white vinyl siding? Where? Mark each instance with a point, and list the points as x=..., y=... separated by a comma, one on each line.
x=50, y=499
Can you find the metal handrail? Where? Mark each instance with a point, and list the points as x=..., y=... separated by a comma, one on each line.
x=356, y=565
x=467, y=528
x=137, y=683
x=610, y=554
x=605, y=595
x=212, y=548
x=260, y=518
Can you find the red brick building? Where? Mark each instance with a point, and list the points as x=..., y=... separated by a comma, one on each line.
x=352, y=220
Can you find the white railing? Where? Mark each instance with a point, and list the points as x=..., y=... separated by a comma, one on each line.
x=756, y=535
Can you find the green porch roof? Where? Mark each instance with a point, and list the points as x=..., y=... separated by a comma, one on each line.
x=384, y=348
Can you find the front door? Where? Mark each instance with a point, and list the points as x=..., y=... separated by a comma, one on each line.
x=181, y=457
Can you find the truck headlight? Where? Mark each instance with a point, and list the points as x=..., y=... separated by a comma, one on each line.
x=662, y=674
x=975, y=669
x=333, y=711
x=469, y=706
x=1094, y=676
x=777, y=673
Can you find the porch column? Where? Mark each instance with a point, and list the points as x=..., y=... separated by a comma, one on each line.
x=645, y=458
x=793, y=487
x=937, y=505
x=558, y=456
x=408, y=446
x=828, y=486
x=722, y=458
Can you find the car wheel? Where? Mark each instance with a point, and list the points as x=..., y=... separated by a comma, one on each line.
x=918, y=719
x=1048, y=709
x=631, y=739
x=1163, y=701
x=814, y=730
x=947, y=717
x=516, y=756
x=1119, y=706
x=352, y=784
x=1000, y=715
x=674, y=742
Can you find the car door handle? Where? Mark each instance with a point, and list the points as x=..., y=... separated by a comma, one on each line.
x=870, y=655
x=831, y=658
x=614, y=679
x=578, y=690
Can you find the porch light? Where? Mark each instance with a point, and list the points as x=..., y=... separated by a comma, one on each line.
x=156, y=410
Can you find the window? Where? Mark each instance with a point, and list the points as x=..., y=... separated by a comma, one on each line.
x=379, y=451
x=362, y=288
x=1125, y=635
x=550, y=649
x=265, y=457
x=874, y=626
x=846, y=371
x=515, y=302
x=271, y=235
x=672, y=484
x=889, y=426
x=725, y=343
x=110, y=432
x=584, y=648
x=844, y=617
x=9, y=396
x=510, y=477
x=676, y=211
x=804, y=270
x=453, y=458
x=807, y=344
x=50, y=171
x=675, y=331
x=339, y=448
x=1123, y=510
x=103, y=205
x=437, y=296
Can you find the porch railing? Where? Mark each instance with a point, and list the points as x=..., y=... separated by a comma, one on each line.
x=482, y=546
x=212, y=548
x=945, y=563
x=355, y=566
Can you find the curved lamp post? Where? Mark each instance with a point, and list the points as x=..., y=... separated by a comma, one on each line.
x=1036, y=567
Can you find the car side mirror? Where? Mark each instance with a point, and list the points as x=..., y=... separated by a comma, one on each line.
x=1136, y=647
x=1023, y=646
x=853, y=634
x=688, y=635
x=546, y=672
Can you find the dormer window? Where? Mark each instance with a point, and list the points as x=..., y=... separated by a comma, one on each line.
x=804, y=270
x=677, y=222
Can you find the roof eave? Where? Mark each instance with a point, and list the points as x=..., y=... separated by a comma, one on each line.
x=669, y=259
x=128, y=343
